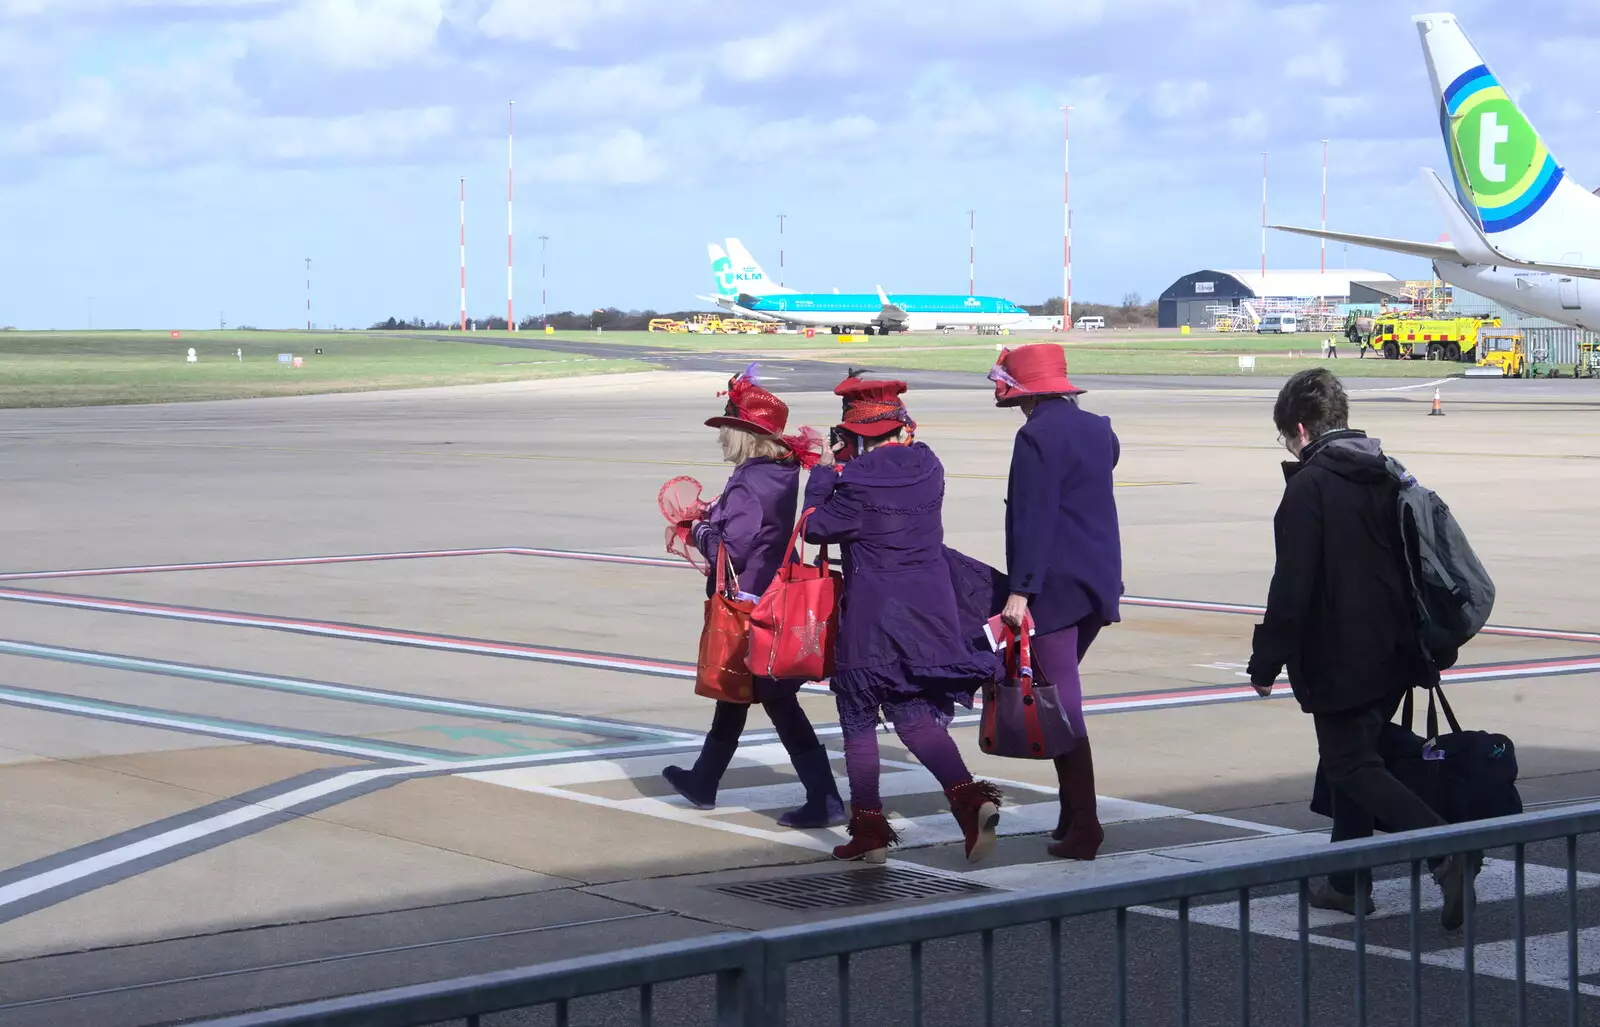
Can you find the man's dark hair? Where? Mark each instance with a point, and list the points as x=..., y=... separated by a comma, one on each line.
x=1314, y=398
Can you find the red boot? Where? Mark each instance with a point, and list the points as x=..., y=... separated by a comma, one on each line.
x=976, y=805
x=870, y=836
x=1081, y=834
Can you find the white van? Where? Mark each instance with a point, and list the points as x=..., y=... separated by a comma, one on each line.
x=1090, y=322
x=1279, y=324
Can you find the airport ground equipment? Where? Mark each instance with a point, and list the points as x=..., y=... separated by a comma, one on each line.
x=1436, y=338
x=667, y=324
x=1588, y=365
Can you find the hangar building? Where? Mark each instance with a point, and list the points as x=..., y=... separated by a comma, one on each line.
x=1198, y=299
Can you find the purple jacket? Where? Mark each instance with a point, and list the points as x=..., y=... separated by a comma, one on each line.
x=1063, y=547
x=754, y=518
x=902, y=632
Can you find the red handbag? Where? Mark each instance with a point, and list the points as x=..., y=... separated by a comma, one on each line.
x=722, y=671
x=793, y=627
x=1022, y=715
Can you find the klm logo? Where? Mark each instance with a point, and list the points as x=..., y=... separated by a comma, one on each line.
x=973, y=301
x=751, y=273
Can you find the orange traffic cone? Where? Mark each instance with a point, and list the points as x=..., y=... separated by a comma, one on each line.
x=1438, y=410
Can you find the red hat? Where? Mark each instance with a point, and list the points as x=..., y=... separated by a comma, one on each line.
x=873, y=408
x=1039, y=369
x=751, y=407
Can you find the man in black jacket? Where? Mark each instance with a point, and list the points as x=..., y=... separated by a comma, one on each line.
x=1340, y=617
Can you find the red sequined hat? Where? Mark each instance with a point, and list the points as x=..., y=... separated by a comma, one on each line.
x=873, y=408
x=751, y=407
x=1039, y=369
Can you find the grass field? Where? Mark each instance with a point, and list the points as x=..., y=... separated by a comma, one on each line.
x=93, y=368
x=1158, y=361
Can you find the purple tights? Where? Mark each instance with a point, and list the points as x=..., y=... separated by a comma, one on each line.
x=1056, y=657
x=921, y=730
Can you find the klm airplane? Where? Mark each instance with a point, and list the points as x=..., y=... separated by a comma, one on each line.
x=1520, y=230
x=744, y=289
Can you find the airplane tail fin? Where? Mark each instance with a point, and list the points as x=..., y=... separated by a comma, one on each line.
x=1508, y=181
x=748, y=277
x=722, y=272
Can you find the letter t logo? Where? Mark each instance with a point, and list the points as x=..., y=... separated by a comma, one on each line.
x=1490, y=135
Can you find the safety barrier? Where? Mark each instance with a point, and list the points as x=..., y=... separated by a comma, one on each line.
x=752, y=971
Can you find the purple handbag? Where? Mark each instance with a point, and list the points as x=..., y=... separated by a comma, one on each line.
x=1022, y=715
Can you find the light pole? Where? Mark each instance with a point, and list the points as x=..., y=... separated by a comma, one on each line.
x=972, y=252
x=308, y=294
x=781, y=219
x=1066, y=203
x=1324, y=205
x=544, y=295
x=1263, y=213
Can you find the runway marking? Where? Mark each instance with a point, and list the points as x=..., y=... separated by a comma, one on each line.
x=358, y=632
x=349, y=693
x=1277, y=916
x=230, y=729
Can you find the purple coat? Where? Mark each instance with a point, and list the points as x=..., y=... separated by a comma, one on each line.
x=754, y=518
x=1063, y=547
x=903, y=634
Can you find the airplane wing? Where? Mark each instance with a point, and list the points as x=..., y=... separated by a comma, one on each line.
x=1430, y=250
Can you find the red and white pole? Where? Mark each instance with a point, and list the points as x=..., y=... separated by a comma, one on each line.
x=463, y=254
x=511, y=181
x=1263, y=213
x=1066, y=202
x=1324, y=205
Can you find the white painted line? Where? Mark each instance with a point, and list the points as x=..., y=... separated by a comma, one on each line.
x=1546, y=959
x=303, y=561
x=1243, y=825
x=113, y=858
x=601, y=771
x=1406, y=388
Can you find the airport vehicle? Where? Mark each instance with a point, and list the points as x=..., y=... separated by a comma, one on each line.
x=1278, y=324
x=1520, y=230
x=746, y=291
x=1089, y=323
x=667, y=324
x=1500, y=355
x=1588, y=365
x=1438, y=338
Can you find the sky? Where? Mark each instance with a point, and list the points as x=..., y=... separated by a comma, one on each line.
x=172, y=163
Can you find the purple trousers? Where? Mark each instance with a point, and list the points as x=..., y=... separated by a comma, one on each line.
x=922, y=729
x=1056, y=657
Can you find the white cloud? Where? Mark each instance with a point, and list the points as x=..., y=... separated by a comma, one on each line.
x=567, y=24
x=357, y=34
x=1324, y=64
x=606, y=91
x=622, y=157
x=792, y=47
x=1174, y=99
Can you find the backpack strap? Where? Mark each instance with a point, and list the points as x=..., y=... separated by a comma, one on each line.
x=1408, y=710
x=1449, y=714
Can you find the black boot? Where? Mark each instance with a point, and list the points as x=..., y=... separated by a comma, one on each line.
x=699, y=785
x=823, y=807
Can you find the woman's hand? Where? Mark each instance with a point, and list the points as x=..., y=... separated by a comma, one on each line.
x=1015, y=610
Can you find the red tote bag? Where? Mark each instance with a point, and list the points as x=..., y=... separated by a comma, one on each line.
x=1022, y=715
x=794, y=625
x=722, y=671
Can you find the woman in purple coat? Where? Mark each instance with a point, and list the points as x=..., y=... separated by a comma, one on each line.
x=754, y=519
x=1063, y=553
x=902, y=643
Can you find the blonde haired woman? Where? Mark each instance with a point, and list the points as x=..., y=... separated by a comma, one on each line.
x=754, y=519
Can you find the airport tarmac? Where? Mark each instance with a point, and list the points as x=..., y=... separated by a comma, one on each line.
x=390, y=677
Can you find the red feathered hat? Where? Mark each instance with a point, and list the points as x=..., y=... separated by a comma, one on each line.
x=1039, y=369
x=751, y=407
x=872, y=408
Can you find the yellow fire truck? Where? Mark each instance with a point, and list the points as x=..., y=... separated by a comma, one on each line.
x=1433, y=338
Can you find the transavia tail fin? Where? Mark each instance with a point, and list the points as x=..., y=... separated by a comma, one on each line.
x=748, y=277
x=722, y=272
x=1505, y=176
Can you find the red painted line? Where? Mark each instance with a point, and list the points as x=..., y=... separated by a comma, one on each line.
x=357, y=632
x=306, y=561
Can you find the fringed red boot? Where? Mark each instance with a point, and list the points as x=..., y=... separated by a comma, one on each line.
x=976, y=805
x=870, y=837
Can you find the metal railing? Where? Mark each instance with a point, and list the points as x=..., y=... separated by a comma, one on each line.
x=751, y=970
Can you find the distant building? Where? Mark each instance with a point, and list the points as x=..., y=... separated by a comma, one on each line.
x=1200, y=299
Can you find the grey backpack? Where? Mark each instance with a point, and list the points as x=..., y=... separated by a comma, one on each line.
x=1452, y=591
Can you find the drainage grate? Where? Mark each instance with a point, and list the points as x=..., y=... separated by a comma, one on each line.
x=849, y=889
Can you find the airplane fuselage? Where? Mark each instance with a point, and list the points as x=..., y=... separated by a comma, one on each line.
x=866, y=310
x=1569, y=300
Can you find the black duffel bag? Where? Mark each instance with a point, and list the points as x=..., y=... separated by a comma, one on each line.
x=1462, y=776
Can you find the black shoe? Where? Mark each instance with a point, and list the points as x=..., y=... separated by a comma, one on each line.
x=1326, y=896
x=1454, y=876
